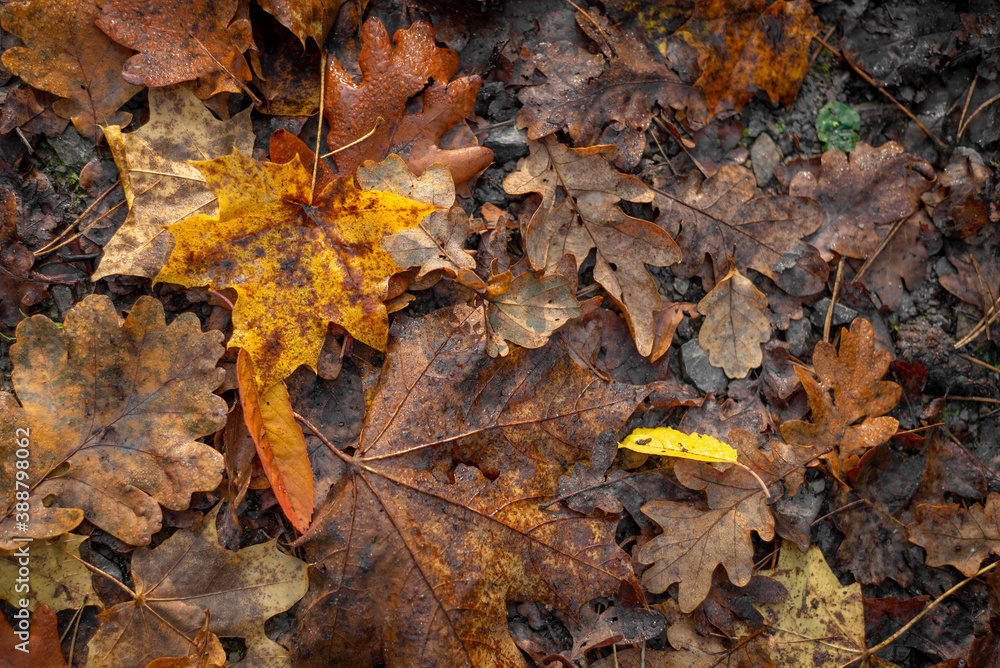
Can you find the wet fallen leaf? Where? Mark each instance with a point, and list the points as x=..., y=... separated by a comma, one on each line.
x=588, y=219
x=58, y=577
x=286, y=73
x=956, y=536
x=668, y=442
x=202, y=39
x=390, y=77
x=736, y=323
x=848, y=399
x=207, y=653
x=861, y=195
x=729, y=608
x=42, y=649
x=160, y=186
x=902, y=262
x=65, y=54
x=606, y=97
x=113, y=409
x=722, y=217
x=436, y=511
x=960, y=200
x=750, y=45
x=821, y=623
x=527, y=313
x=298, y=259
x=186, y=575
x=279, y=443
x=305, y=18
x=697, y=539
x=19, y=288
x=693, y=651
x=976, y=279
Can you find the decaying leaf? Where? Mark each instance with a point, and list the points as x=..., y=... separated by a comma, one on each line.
x=668, y=442
x=848, y=399
x=113, y=409
x=279, y=443
x=298, y=259
x=160, y=186
x=529, y=310
x=586, y=218
x=696, y=540
x=201, y=39
x=391, y=76
x=953, y=535
x=305, y=18
x=186, y=575
x=750, y=45
x=19, y=288
x=42, y=649
x=58, y=577
x=206, y=653
x=722, y=217
x=822, y=622
x=439, y=512
x=861, y=195
x=605, y=97
x=736, y=323
x=67, y=55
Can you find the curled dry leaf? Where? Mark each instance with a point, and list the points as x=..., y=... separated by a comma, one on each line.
x=696, y=540
x=113, y=410
x=161, y=188
x=605, y=97
x=750, y=45
x=736, y=323
x=305, y=18
x=65, y=54
x=440, y=510
x=59, y=579
x=956, y=536
x=821, y=623
x=847, y=400
x=587, y=219
x=186, y=575
x=438, y=240
x=861, y=195
x=722, y=217
x=201, y=39
x=298, y=259
x=279, y=443
x=391, y=76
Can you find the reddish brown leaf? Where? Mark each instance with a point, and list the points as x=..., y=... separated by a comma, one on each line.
x=19, y=288
x=202, y=39
x=750, y=45
x=960, y=200
x=440, y=511
x=390, y=78
x=67, y=55
x=953, y=535
x=847, y=400
x=38, y=647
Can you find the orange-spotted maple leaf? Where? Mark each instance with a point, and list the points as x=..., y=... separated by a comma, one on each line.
x=298, y=259
x=390, y=78
x=749, y=45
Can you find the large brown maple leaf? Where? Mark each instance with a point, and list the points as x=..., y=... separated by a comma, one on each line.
x=435, y=524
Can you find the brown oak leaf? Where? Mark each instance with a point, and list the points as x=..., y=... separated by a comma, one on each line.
x=736, y=323
x=391, y=76
x=42, y=649
x=305, y=18
x=861, y=195
x=201, y=39
x=722, y=217
x=439, y=512
x=695, y=540
x=111, y=411
x=956, y=536
x=579, y=191
x=606, y=97
x=848, y=399
x=749, y=45
x=67, y=55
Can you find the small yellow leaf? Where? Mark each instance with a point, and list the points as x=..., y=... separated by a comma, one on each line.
x=673, y=443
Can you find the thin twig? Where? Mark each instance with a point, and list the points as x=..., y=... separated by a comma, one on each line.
x=989, y=315
x=833, y=300
x=319, y=127
x=878, y=250
x=983, y=400
x=981, y=363
x=838, y=510
x=76, y=628
x=246, y=89
x=864, y=75
x=965, y=107
x=45, y=249
x=978, y=109
x=378, y=123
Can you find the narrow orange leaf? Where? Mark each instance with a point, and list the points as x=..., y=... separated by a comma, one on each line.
x=280, y=443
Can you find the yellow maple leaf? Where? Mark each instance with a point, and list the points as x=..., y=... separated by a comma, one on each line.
x=672, y=443
x=297, y=261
